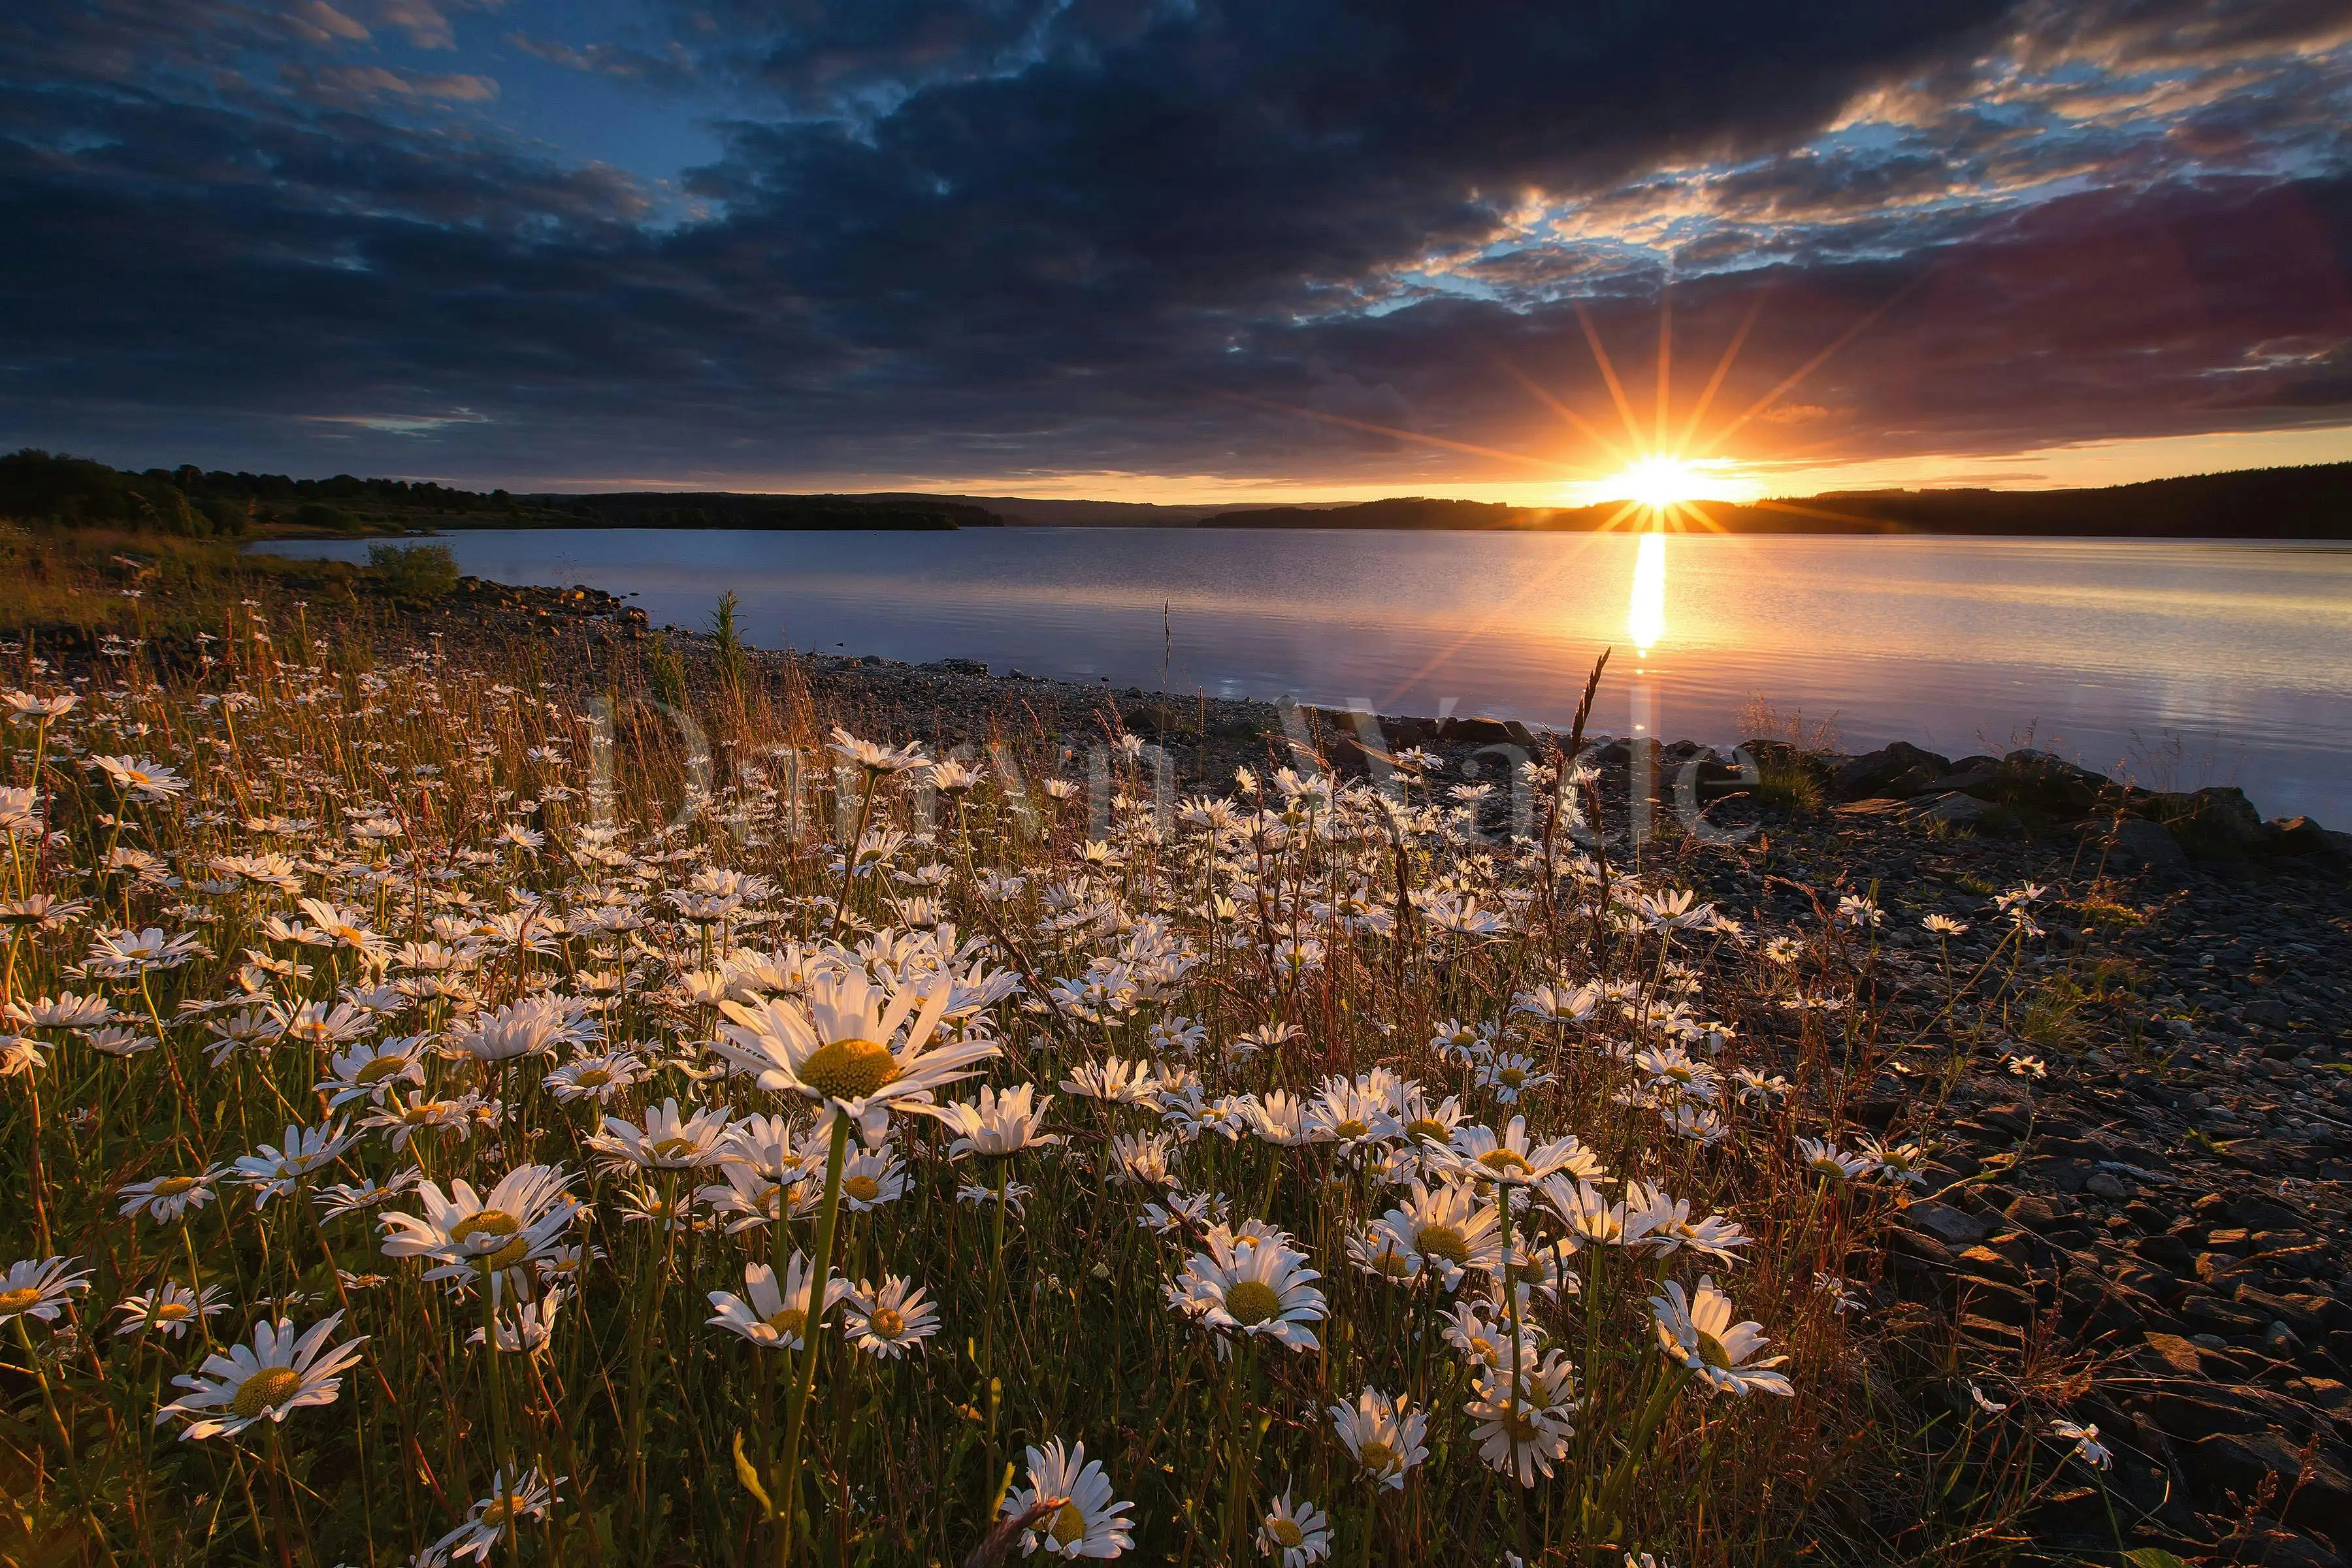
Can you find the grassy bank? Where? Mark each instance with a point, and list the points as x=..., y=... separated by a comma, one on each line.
x=1310, y=1144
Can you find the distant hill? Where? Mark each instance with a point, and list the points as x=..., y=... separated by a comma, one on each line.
x=2311, y=502
x=726, y=508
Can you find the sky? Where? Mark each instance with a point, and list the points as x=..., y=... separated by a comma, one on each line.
x=1180, y=251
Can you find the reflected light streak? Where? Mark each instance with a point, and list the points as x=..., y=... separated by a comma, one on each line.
x=1645, y=617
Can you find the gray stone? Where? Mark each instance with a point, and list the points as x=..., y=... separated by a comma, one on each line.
x=2140, y=844
x=1953, y=808
x=1947, y=1224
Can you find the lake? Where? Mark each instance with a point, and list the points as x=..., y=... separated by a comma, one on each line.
x=2176, y=664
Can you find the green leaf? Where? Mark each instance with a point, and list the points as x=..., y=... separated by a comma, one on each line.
x=2153, y=1557
x=750, y=1477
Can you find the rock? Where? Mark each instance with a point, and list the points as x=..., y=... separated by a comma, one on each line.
x=2170, y=1355
x=1897, y=770
x=2317, y=1494
x=2301, y=836
x=2038, y=780
x=2215, y=821
x=1486, y=732
x=1946, y=1224
x=2140, y=844
x=1954, y=807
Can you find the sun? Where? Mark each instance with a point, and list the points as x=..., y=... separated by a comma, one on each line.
x=1660, y=483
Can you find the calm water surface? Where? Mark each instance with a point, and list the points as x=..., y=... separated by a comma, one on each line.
x=2178, y=663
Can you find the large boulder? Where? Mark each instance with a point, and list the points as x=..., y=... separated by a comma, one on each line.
x=1897, y=770
x=2144, y=848
x=2214, y=821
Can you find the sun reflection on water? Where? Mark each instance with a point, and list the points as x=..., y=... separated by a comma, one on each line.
x=1645, y=617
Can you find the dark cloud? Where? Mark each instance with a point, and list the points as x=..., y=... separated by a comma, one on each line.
x=1015, y=235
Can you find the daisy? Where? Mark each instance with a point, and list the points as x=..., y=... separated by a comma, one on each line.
x=839, y=1051
x=530, y=1328
x=1142, y=1159
x=1383, y=1433
x=1252, y=1290
x=1115, y=1082
x=597, y=1077
x=1476, y=1153
x=1698, y=1332
x=169, y=1307
x=666, y=1143
x=278, y=1374
x=1479, y=1329
x=369, y=1072
x=999, y=1124
x=465, y=1232
x=1510, y=1075
x=492, y=1518
x=306, y=1150
x=1351, y=1115
x=1083, y=1517
x=890, y=1321
x=1896, y=1162
x=165, y=1198
x=1447, y=1230
x=772, y=1319
x=532, y=1027
x=2086, y=1438
x=1825, y=1159
x=38, y=1288
x=870, y=1178
x=1530, y=1432
x=1297, y=1534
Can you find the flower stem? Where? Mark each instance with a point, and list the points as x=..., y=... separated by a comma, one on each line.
x=788, y=1468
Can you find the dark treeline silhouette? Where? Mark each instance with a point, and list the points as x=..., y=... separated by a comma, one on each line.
x=720, y=509
x=43, y=487
x=2312, y=503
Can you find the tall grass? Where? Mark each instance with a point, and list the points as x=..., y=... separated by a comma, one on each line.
x=433, y=922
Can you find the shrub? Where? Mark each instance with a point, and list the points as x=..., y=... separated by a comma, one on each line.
x=318, y=517
x=415, y=570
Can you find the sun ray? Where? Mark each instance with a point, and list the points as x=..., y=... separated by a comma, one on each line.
x=1550, y=465
x=1609, y=375
x=1665, y=358
x=1790, y=382
x=1527, y=589
x=1722, y=369
x=1617, y=454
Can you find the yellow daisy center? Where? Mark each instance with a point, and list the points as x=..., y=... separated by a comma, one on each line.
x=381, y=1068
x=1285, y=1532
x=1069, y=1525
x=789, y=1322
x=1504, y=1161
x=1511, y=1077
x=172, y=1311
x=271, y=1386
x=173, y=1187
x=593, y=1078
x=493, y=1222
x=1376, y=1455
x=1250, y=1302
x=886, y=1323
x=1428, y=1129
x=865, y=1189
x=676, y=1148
x=16, y=1300
x=848, y=1069
x=496, y=1515
x=1444, y=1241
x=1712, y=1352
x=1351, y=1128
